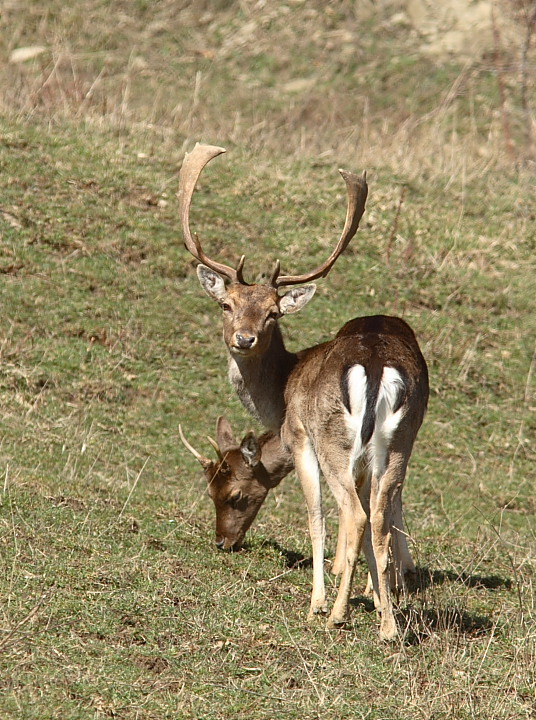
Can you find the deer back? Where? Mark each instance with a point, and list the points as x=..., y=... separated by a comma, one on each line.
x=370, y=383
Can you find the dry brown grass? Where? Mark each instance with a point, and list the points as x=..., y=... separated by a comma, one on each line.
x=335, y=81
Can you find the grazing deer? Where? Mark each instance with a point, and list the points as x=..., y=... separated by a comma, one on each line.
x=349, y=408
x=239, y=482
x=240, y=479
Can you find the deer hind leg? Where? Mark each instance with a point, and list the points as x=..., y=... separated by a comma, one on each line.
x=353, y=525
x=403, y=562
x=363, y=487
x=308, y=472
x=402, y=565
x=401, y=558
x=340, y=552
x=362, y=483
x=384, y=491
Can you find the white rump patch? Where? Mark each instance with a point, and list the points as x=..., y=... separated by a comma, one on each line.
x=386, y=421
x=357, y=391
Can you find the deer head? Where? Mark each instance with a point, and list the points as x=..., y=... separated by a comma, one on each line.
x=239, y=480
x=251, y=311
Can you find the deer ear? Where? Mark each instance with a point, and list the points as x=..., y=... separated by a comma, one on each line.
x=224, y=434
x=251, y=450
x=212, y=283
x=295, y=299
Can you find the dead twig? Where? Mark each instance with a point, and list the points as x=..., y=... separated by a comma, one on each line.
x=510, y=149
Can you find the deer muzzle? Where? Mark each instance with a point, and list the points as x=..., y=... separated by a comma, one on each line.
x=225, y=543
x=243, y=341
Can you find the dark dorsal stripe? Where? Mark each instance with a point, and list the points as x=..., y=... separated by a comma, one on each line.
x=374, y=374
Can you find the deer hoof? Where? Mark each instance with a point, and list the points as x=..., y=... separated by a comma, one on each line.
x=317, y=610
x=336, y=623
x=337, y=568
x=388, y=631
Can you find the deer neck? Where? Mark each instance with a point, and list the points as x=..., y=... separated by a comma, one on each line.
x=276, y=459
x=260, y=381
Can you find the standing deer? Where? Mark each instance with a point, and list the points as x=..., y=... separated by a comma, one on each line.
x=349, y=408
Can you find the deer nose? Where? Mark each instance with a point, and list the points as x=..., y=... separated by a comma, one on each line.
x=221, y=544
x=244, y=341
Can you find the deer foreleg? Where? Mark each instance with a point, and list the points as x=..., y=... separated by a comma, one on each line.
x=308, y=472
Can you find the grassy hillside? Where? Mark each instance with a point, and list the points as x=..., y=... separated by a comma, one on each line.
x=114, y=601
x=341, y=80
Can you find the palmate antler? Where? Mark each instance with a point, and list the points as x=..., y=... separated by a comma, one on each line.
x=193, y=164
x=191, y=169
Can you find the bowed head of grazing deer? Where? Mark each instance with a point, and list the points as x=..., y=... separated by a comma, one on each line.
x=240, y=478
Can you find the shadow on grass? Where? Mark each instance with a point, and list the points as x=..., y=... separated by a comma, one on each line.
x=425, y=578
x=421, y=580
x=417, y=624
x=363, y=602
x=293, y=560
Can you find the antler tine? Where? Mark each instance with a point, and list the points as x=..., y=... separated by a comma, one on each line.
x=205, y=462
x=275, y=273
x=215, y=446
x=239, y=269
x=357, y=190
x=191, y=169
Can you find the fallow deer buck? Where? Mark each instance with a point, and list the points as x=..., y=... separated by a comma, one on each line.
x=349, y=408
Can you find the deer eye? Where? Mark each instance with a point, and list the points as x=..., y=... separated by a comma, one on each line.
x=226, y=307
x=236, y=499
x=274, y=315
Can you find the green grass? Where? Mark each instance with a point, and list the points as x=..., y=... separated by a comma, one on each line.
x=114, y=601
x=108, y=343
